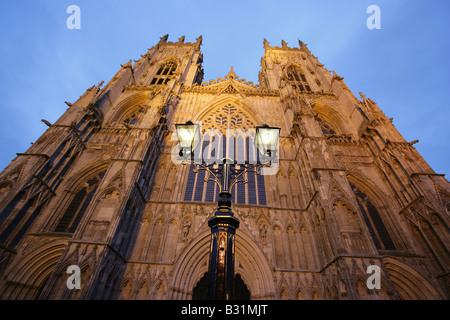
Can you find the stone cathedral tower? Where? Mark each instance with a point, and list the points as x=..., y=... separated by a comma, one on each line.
x=99, y=190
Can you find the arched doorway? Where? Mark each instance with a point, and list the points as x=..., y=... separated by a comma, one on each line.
x=241, y=291
x=251, y=264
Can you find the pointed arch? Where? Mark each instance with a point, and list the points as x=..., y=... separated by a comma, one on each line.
x=165, y=71
x=330, y=118
x=154, y=247
x=295, y=76
x=142, y=290
x=160, y=287
x=74, y=211
x=170, y=182
x=126, y=289
x=171, y=239
x=299, y=295
x=251, y=264
x=170, y=59
x=409, y=283
x=377, y=220
x=27, y=278
x=128, y=105
x=284, y=294
x=280, y=255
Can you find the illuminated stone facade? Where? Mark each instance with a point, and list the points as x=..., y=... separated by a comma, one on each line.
x=99, y=190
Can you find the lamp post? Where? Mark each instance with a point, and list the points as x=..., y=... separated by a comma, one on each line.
x=223, y=224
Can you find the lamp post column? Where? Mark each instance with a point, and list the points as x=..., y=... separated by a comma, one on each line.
x=221, y=253
x=223, y=224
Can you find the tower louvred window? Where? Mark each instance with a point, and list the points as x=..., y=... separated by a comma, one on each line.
x=297, y=79
x=164, y=73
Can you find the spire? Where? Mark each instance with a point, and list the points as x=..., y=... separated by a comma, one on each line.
x=266, y=43
x=181, y=39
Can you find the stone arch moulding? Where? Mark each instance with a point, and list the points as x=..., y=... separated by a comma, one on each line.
x=409, y=283
x=75, y=181
x=171, y=58
x=126, y=104
x=79, y=177
x=331, y=116
x=376, y=193
x=250, y=263
x=293, y=65
x=34, y=271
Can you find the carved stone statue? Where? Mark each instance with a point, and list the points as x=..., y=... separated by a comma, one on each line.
x=186, y=228
x=263, y=233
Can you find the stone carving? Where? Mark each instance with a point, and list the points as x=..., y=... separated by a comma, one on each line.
x=186, y=228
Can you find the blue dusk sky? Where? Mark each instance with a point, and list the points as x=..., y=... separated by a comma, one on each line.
x=404, y=66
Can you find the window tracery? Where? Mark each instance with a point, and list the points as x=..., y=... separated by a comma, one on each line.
x=164, y=73
x=326, y=129
x=131, y=118
x=227, y=117
x=74, y=212
x=297, y=79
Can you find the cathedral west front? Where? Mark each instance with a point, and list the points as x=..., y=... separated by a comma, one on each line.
x=101, y=190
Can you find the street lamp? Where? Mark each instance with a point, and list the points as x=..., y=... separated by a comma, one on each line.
x=267, y=140
x=188, y=137
x=223, y=224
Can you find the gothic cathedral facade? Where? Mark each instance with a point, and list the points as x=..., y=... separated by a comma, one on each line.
x=100, y=190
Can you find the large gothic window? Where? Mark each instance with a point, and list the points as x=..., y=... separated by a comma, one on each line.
x=297, y=79
x=75, y=211
x=226, y=133
x=375, y=224
x=131, y=117
x=243, y=151
x=165, y=73
x=326, y=128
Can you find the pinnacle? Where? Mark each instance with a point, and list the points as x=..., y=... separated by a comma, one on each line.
x=231, y=74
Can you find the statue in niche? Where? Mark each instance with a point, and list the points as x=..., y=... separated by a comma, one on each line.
x=263, y=233
x=186, y=228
